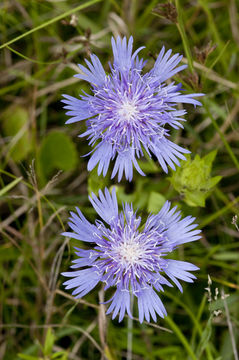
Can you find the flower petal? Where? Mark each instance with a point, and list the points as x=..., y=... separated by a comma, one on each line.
x=120, y=303
x=182, y=231
x=103, y=153
x=95, y=74
x=106, y=206
x=176, y=269
x=83, y=280
x=83, y=229
x=149, y=303
x=123, y=58
x=124, y=165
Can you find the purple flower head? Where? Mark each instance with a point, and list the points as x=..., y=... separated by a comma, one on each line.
x=128, y=110
x=130, y=256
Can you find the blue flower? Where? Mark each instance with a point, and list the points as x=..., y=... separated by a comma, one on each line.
x=130, y=256
x=128, y=110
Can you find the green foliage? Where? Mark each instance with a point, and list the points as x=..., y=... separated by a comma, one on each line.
x=10, y=186
x=96, y=182
x=193, y=179
x=57, y=151
x=139, y=197
x=28, y=357
x=205, y=338
x=35, y=71
x=49, y=342
x=16, y=125
x=47, y=350
x=155, y=202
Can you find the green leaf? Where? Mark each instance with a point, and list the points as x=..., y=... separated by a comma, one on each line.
x=139, y=197
x=196, y=198
x=15, y=121
x=27, y=357
x=227, y=256
x=59, y=355
x=155, y=202
x=206, y=334
x=96, y=182
x=209, y=158
x=57, y=152
x=193, y=179
x=10, y=186
x=49, y=342
x=148, y=166
x=219, y=303
x=213, y=181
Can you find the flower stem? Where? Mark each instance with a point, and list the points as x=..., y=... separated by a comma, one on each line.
x=183, y=35
x=130, y=330
x=102, y=324
x=229, y=323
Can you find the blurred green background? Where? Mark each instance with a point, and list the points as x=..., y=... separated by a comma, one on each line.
x=43, y=175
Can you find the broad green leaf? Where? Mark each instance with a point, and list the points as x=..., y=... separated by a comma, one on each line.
x=213, y=181
x=155, y=202
x=193, y=179
x=15, y=126
x=57, y=152
x=209, y=158
x=196, y=198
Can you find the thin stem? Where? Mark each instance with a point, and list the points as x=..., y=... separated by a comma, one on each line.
x=181, y=337
x=55, y=19
x=218, y=213
x=102, y=324
x=227, y=146
x=183, y=35
x=33, y=60
x=130, y=330
x=234, y=347
x=41, y=192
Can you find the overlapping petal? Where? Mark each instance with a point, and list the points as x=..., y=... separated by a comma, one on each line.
x=120, y=303
x=133, y=258
x=165, y=67
x=149, y=304
x=83, y=229
x=83, y=281
x=106, y=206
x=95, y=73
x=176, y=269
x=123, y=57
x=128, y=110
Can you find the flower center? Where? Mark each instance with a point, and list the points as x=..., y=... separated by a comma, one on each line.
x=130, y=253
x=127, y=111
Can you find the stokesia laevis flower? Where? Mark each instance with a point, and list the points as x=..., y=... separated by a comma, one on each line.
x=129, y=109
x=130, y=256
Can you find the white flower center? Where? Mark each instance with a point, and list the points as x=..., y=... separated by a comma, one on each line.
x=130, y=253
x=128, y=111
